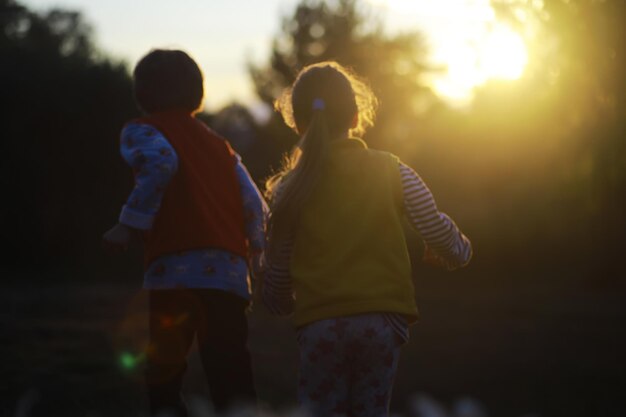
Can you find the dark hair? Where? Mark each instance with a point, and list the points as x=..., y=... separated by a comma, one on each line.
x=321, y=106
x=168, y=80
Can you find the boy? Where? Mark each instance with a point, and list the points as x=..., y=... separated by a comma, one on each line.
x=202, y=220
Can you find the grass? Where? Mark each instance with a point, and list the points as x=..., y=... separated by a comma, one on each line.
x=73, y=350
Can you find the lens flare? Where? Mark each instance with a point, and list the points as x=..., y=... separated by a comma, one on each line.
x=128, y=360
x=466, y=38
x=129, y=338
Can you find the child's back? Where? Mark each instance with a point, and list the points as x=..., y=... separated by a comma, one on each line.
x=349, y=246
x=201, y=217
x=202, y=205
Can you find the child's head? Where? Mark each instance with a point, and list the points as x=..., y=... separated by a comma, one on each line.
x=349, y=104
x=168, y=80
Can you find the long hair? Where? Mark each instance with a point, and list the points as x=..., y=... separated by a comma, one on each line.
x=326, y=102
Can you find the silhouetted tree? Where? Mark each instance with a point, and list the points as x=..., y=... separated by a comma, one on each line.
x=343, y=31
x=535, y=170
x=63, y=105
x=580, y=72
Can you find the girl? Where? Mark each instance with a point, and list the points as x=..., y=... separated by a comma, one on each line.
x=337, y=258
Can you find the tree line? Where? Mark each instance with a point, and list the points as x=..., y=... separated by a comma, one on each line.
x=534, y=171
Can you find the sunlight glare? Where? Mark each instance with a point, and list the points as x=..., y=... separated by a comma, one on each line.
x=465, y=38
x=503, y=54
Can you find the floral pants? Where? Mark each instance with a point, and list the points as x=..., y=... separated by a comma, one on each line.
x=347, y=366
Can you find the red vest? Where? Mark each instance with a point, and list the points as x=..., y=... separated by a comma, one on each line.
x=202, y=205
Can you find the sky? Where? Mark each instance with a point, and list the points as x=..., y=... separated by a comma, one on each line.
x=223, y=35
x=220, y=34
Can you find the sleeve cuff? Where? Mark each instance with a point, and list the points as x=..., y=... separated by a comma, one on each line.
x=136, y=219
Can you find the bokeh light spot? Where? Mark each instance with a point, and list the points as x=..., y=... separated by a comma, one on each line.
x=128, y=360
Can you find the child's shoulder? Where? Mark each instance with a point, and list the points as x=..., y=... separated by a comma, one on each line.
x=136, y=132
x=138, y=128
x=383, y=156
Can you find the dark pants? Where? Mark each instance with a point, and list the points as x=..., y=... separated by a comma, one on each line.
x=218, y=320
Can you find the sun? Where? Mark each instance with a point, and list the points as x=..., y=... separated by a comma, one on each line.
x=498, y=53
x=502, y=54
x=465, y=38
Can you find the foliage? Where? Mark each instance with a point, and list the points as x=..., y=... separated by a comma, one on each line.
x=534, y=170
x=63, y=105
x=343, y=31
x=578, y=81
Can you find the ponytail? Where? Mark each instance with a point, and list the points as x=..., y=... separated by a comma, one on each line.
x=321, y=106
x=290, y=189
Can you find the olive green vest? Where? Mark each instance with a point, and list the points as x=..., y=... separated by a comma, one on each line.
x=350, y=254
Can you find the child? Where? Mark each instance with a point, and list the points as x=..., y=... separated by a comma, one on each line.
x=202, y=219
x=336, y=241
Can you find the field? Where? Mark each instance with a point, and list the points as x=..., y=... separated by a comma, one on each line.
x=543, y=351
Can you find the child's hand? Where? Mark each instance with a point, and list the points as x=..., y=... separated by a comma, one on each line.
x=256, y=262
x=257, y=266
x=118, y=238
x=431, y=258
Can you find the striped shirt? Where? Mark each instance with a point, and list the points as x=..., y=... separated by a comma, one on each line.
x=447, y=247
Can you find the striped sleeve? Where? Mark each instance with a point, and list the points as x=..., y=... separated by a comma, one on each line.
x=277, y=292
x=399, y=325
x=439, y=232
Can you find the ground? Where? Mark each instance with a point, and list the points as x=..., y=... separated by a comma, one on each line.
x=538, y=351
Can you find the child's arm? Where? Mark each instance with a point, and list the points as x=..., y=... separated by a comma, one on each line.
x=445, y=244
x=154, y=163
x=255, y=213
x=277, y=286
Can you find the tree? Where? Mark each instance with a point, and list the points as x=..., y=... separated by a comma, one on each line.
x=581, y=71
x=63, y=105
x=343, y=31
